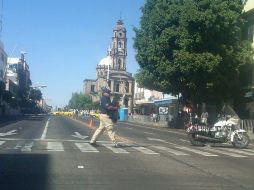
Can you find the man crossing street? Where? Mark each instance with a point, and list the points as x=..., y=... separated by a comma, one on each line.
x=106, y=122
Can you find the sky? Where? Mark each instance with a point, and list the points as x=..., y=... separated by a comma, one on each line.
x=64, y=40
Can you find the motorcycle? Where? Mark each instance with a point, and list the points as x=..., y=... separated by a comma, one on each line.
x=225, y=130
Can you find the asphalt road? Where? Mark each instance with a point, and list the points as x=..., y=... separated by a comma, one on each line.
x=52, y=153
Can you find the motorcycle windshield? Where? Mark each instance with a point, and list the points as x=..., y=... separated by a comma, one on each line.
x=229, y=112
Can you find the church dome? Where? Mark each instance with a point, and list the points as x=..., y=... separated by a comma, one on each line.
x=106, y=61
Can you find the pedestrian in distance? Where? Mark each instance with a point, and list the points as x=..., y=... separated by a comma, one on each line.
x=106, y=122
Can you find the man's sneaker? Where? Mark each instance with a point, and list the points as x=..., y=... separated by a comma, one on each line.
x=93, y=143
x=117, y=145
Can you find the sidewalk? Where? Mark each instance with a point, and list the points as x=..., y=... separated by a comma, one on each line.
x=147, y=120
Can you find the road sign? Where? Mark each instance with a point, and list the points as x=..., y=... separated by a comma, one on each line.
x=163, y=110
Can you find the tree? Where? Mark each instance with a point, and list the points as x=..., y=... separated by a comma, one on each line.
x=35, y=94
x=193, y=48
x=81, y=101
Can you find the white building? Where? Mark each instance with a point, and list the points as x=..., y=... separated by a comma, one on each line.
x=3, y=62
x=143, y=95
x=12, y=81
x=248, y=12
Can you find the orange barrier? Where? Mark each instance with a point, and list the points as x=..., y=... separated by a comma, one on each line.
x=90, y=124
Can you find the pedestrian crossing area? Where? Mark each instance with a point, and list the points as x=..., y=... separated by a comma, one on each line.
x=33, y=146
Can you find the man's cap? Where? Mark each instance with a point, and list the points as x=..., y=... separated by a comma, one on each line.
x=105, y=90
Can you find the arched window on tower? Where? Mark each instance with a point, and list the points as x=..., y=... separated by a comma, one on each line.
x=119, y=63
x=117, y=87
x=127, y=88
x=119, y=44
x=109, y=84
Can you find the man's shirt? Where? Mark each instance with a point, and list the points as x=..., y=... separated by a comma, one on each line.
x=104, y=104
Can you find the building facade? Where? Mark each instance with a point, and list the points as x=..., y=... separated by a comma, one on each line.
x=3, y=62
x=247, y=80
x=111, y=70
x=18, y=76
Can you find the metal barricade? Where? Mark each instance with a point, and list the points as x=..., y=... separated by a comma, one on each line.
x=247, y=124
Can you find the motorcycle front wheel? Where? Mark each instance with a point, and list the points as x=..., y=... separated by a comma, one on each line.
x=241, y=140
x=194, y=142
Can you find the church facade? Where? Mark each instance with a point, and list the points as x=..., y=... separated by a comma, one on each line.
x=111, y=70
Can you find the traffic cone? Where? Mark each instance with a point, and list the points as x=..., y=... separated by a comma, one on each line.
x=90, y=124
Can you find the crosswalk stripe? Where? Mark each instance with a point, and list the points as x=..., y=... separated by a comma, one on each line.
x=110, y=146
x=19, y=145
x=203, y=153
x=55, y=146
x=85, y=147
x=225, y=153
x=27, y=147
x=176, y=152
x=2, y=142
x=237, y=151
x=145, y=150
x=249, y=150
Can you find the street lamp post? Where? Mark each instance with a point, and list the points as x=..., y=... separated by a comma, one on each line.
x=35, y=87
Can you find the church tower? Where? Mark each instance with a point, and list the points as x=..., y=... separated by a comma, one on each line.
x=119, y=47
x=111, y=70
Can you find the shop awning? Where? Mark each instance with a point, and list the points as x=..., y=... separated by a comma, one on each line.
x=163, y=101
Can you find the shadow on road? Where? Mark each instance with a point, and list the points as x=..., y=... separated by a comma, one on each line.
x=14, y=119
x=24, y=171
x=9, y=120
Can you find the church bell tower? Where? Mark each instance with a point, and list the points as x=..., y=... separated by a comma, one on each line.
x=119, y=47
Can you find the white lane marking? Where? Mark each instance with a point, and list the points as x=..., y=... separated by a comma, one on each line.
x=176, y=152
x=184, y=140
x=149, y=133
x=53, y=140
x=110, y=146
x=55, y=146
x=85, y=147
x=12, y=132
x=129, y=128
x=248, y=150
x=19, y=145
x=2, y=142
x=237, y=151
x=43, y=136
x=145, y=150
x=154, y=139
x=78, y=135
x=156, y=129
x=203, y=153
x=27, y=147
x=225, y=153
